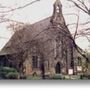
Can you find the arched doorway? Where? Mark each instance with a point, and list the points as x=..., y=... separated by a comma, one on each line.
x=58, y=68
x=43, y=70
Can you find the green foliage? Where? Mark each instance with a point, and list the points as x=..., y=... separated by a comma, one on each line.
x=8, y=73
x=85, y=77
x=57, y=76
x=33, y=78
x=12, y=75
x=66, y=77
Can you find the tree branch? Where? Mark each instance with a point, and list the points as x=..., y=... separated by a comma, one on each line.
x=21, y=7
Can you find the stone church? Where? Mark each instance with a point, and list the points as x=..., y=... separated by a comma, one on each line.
x=45, y=47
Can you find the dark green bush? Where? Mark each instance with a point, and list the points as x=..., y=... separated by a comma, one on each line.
x=8, y=69
x=8, y=73
x=57, y=76
x=85, y=77
x=12, y=75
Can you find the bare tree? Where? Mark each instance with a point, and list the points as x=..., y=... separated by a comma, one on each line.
x=85, y=32
x=6, y=10
x=81, y=5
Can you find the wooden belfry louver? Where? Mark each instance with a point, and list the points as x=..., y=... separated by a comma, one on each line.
x=44, y=48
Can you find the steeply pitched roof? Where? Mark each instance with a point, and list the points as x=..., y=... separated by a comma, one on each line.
x=28, y=33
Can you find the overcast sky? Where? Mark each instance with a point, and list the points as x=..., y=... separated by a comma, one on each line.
x=37, y=12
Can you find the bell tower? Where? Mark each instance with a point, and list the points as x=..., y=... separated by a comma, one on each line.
x=57, y=17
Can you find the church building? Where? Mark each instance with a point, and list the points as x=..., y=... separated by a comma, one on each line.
x=43, y=48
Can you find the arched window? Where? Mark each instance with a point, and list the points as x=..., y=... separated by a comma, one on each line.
x=79, y=61
x=34, y=61
x=57, y=9
x=72, y=64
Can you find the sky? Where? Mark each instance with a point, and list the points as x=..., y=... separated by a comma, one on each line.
x=38, y=11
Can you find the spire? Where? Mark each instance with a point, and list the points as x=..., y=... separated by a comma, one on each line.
x=57, y=17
